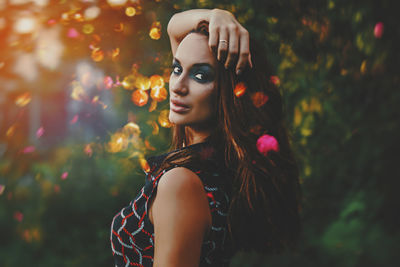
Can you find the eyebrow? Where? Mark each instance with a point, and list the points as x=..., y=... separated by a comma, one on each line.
x=194, y=65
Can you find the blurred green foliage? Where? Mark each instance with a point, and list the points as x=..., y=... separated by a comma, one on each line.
x=339, y=82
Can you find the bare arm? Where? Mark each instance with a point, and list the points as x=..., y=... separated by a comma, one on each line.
x=181, y=216
x=222, y=26
x=182, y=23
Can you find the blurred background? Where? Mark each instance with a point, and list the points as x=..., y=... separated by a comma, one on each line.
x=83, y=102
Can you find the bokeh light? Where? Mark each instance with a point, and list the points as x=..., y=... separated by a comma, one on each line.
x=140, y=97
x=240, y=89
x=117, y=143
x=156, y=81
x=259, y=99
x=23, y=100
x=97, y=55
x=142, y=82
x=25, y=25
x=130, y=11
x=155, y=30
x=129, y=82
x=88, y=29
x=159, y=94
x=163, y=119
x=92, y=12
x=117, y=2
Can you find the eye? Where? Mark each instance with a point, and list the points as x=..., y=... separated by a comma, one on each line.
x=175, y=69
x=199, y=76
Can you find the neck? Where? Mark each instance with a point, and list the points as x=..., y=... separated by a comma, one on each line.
x=195, y=136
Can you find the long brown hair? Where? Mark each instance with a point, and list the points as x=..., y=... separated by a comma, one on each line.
x=265, y=200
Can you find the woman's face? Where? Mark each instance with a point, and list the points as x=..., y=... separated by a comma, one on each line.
x=192, y=83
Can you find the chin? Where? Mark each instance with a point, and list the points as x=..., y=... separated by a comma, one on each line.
x=174, y=118
x=190, y=120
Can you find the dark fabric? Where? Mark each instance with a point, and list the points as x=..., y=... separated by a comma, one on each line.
x=132, y=233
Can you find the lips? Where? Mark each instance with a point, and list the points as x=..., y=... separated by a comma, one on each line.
x=179, y=107
x=179, y=103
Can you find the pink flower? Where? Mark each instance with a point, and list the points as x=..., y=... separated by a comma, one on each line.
x=74, y=119
x=275, y=80
x=40, y=132
x=108, y=82
x=28, y=149
x=378, y=30
x=72, y=33
x=64, y=175
x=88, y=150
x=117, y=82
x=18, y=216
x=51, y=22
x=266, y=143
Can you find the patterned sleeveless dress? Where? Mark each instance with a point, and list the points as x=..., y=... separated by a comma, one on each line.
x=132, y=233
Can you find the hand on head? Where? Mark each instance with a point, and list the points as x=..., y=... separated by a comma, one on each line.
x=229, y=40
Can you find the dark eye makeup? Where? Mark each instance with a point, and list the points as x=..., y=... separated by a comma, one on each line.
x=201, y=72
x=175, y=68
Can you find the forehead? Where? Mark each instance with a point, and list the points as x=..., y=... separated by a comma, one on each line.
x=194, y=49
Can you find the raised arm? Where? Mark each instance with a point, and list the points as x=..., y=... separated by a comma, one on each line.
x=228, y=39
x=182, y=23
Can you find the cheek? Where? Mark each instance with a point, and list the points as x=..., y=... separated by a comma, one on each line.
x=171, y=83
x=206, y=100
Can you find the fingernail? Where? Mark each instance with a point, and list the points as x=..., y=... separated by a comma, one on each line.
x=238, y=71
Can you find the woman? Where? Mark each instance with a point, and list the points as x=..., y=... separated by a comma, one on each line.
x=222, y=188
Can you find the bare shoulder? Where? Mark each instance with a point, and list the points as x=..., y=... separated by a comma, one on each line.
x=181, y=218
x=181, y=188
x=180, y=179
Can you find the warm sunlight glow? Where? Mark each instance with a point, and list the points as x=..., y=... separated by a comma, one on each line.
x=25, y=25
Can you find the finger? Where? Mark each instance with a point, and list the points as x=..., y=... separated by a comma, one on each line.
x=250, y=62
x=213, y=40
x=233, y=47
x=244, y=53
x=223, y=44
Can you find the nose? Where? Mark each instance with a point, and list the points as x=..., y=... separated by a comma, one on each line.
x=178, y=84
